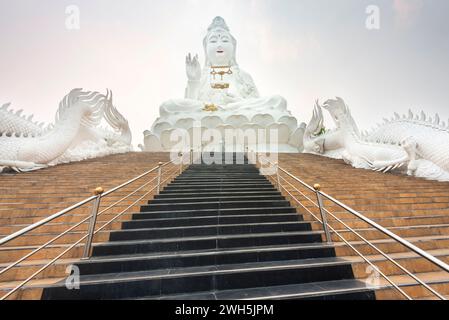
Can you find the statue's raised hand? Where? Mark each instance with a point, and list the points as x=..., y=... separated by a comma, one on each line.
x=193, y=68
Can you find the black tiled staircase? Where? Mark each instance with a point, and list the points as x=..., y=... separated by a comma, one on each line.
x=216, y=232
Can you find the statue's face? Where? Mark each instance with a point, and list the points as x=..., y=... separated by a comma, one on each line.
x=220, y=49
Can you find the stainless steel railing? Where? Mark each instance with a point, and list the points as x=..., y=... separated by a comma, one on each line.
x=280, y=179
x=158, y=177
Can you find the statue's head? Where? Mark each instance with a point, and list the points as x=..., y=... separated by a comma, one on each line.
x=219, y=44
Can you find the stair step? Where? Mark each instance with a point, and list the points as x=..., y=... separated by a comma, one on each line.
x=210, y=220
x=215, y=199
x=207, y=278
x=224, y=178
x=208, y=212
x=218, y=186
x=164, y=195
x=214, y=205
x=220, y=190
x=206, y=242
x=113, y=264
x=326, y=290
x=211, y=230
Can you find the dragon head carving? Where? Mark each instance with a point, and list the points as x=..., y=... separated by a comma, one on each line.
x=341, y=114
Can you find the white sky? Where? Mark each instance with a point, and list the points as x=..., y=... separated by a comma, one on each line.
x=300, y=49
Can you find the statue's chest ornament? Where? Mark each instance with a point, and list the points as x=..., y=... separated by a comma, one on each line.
x=221, y=71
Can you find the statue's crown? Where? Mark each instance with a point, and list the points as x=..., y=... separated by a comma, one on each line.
x=218, y=22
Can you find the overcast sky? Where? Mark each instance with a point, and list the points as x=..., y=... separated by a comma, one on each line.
x=300, y=49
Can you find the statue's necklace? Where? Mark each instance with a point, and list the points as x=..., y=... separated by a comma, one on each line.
x=220, y=70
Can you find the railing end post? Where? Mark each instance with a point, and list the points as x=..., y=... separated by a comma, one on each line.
x=159, y=176
x=181, y=160
x=98, y=191
x=317, y=188
x=278, y=178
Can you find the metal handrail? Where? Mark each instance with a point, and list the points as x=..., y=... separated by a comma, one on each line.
x=44, y=221
x=99, y=194
x=70, y=229
x=364, y=240
x=317, y=190
x=71, y=208
x=385, y=231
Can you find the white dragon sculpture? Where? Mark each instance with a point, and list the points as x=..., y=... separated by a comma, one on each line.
x=417, y=145
x=77, y=133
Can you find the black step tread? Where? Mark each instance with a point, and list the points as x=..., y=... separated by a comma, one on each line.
x=208, y=230
x=239, y=177
x=220, y=183
x=330, y=289
x=216, y=194
x=211, y=220
x=222, y=217
x=221, y=175
x=196, y=253
x=223, y=184
x=216, y=226
x=215, y=237
x=214, y=211
x=223, y=198
x=176, y=244
x=223, y=211
x=219, y=189
x=219, y=203
x=209, y=270
x=142, y=262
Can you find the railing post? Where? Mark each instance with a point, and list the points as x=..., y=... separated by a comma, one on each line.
x=159, y=175
x=191, y=156
x=327, y=233
x=93, y=220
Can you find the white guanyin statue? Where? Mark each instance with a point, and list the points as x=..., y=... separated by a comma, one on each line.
x=222, y=96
